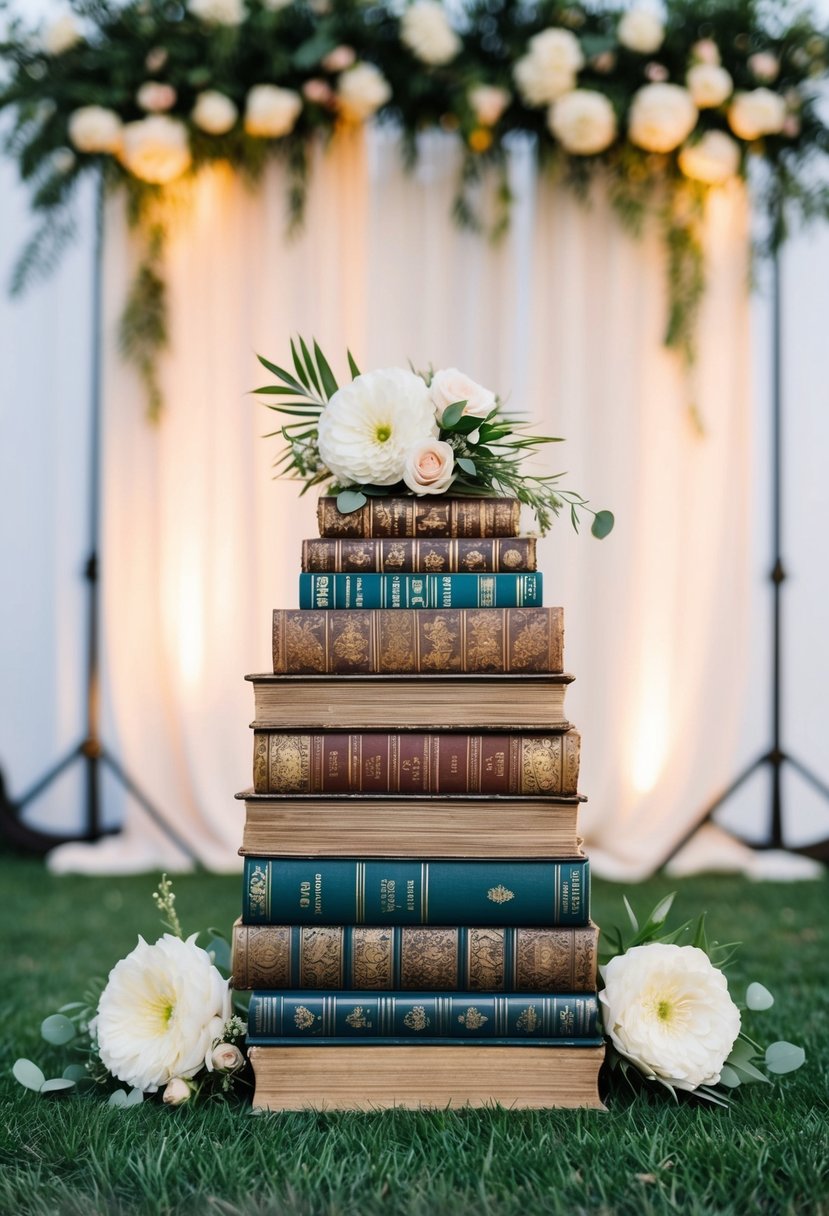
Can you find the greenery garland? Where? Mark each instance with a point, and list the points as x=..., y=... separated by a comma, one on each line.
x=663, y=109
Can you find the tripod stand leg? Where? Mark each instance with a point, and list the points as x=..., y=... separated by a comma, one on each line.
x=51, y=774
x=150, y=809
x=806, y=773
x=714, y=806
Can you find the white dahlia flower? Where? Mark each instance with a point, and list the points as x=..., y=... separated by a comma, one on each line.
x=95, y=129
x=667, y=1009
x=425, y=30
x=271, y=111
x=756, y=113
x=162, y=1009
x=549, y=68
x=429, y=467
x=713, y=159
x=361, y=91
x=450, y=385
x=709, y=85
x=583, y=122
x=218, y=12
x=214, y=112
x=369, y=426
x=156, y=149
x=641, y=30
x=662, y=116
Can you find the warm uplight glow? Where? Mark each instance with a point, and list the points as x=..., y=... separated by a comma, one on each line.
x=650, y=738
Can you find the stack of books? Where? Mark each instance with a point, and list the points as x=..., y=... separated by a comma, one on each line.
x=416, y=926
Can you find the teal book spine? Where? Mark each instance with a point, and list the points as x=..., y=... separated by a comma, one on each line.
x=420, y=590
x=347, y=891
x=421, y=1017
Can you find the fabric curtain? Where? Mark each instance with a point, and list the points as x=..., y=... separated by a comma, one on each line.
x=565, y=315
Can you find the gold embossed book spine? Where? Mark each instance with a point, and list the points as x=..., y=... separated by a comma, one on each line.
x=434, y=555
x=427, y=516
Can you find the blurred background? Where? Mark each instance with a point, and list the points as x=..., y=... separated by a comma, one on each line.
x=668, y=621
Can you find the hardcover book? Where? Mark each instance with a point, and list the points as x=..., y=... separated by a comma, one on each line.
x=420, y=590
x=413, y=1077
x=378, y=825
x=402, y=641
x=397, y=891
x=474, y=555
x=425, y=516
x=415, y=956
x=531, y=702
x=360, y=762
x=275, y=1017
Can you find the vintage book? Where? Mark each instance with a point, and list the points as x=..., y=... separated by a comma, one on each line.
x=411, y=517
x=400, y=641
x=430, y=957
x=475, y=555
x=420, y=590
x=529, y=702
x=399, y=891
x=274, y=1017
x=382, y=825
x=452, y=1075
x=413, y=762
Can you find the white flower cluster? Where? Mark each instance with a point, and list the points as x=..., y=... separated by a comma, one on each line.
x=384, y=427
x=425, y=30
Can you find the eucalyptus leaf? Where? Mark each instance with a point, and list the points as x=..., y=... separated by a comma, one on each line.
x=29, y=1075
x=76, y=1073
x=117, y=1098
x=758, y=997
x=350, y=500
x=783, y=1057
x=602, y=524
x=452, y=415
x=468, y=466
x=729, y=1077
x=57, y=1085
x=134, y=1098
x=747, y=1070
x=58, y=1030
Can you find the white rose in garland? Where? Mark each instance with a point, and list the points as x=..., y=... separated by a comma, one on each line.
x=218, y=12
x=668, y=1010
x=156, y=97
x=95, y=129
x=425, y=30
x=361, y=91
x=709, y=85
x=156, y=149
x=757, y=113
x=713, y=159
x=162, y=1009
x=430, y=467
x=641, y=30
x=214, y=112
x=584, y=122
x=369, y=426
x=271, y=112
x=550, y=66
x=662, y=117
x=61, y=35
x=450, y=385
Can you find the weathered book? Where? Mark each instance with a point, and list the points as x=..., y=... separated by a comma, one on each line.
x=526, y=1077
x=427, y=1017
x=474, y=555
x=414, y=762
x=399, y=641
x=411, y=517
x=530, y=702
x=383, y=825
x=420, y=590
x=415, y=956
x=398, y=891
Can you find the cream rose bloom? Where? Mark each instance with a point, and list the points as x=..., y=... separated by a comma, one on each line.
x=583, y=122
x=225, y=1057
x=450, y=385
x=429, y=467
x=177, y=1092
x=361, y=91
x=162, y=1008
x=156, y=149
x=662, y=116
x=549, y=69
x=425, y=30
x=764, y=66
x=488, y=103
x=95, y=129
x=369, y=426
x=61, y=35
x=218, y=12
x=214, y=112
x=155, y=97
x=709, y=85
x=759, y=112
x=641, y=30
x=713, y=159
x=667, y=1009
x=271, y=111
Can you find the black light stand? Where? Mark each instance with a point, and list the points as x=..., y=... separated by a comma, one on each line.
x=775, y=756
x=91, y=750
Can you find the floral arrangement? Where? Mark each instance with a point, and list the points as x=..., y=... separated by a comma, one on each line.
x=163, y=1024
x=664, y=108
x=398, y=431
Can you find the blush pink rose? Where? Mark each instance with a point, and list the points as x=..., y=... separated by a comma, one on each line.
x=429, y=467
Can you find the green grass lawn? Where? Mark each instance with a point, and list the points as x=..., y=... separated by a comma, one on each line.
x=768, y=1154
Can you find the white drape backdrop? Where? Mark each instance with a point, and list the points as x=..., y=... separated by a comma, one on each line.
x=566, y=314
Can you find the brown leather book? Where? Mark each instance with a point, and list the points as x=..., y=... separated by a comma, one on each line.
x=402, y=640
x=425, y=516
x=381, y=1077
x=470, y=555
x=415, y=957
x=412, y=762
x=533, y=702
